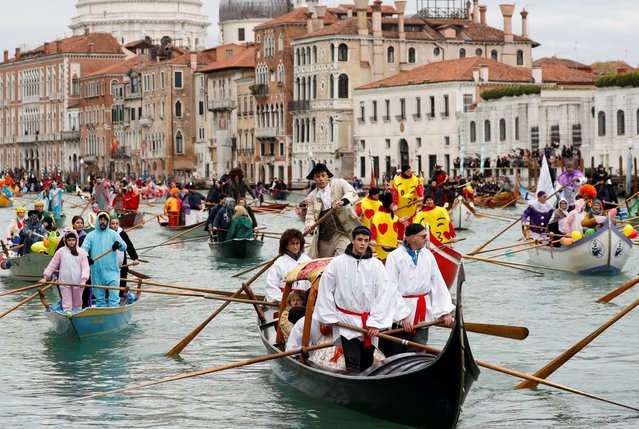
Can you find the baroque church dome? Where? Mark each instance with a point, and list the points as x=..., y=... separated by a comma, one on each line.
x=232, y=10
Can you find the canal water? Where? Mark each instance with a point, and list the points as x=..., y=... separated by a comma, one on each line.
x=40, y=371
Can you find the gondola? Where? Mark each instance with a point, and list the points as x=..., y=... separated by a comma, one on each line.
x=607, y=250
x=448, y=260
x=415, y=389
x=29, y=267
x=461, y=213
x=499, y=200
x=197, y=232
x=237, y=248
x=130, y=219
x=90, y=322
x=279, y=195
x=269, y=208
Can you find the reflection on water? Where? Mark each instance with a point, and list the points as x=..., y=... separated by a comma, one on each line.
x=40, y=371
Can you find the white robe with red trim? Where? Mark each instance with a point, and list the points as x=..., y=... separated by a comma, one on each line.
x=356, y=285
x=277, y=273
x=410, y=279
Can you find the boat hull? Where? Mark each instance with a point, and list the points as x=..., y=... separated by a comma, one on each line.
x=461, y=214
x=448, y=261
x=196, y=233
x=5, y=201
x=279, y=195
x=29, y=267
x=60, y=221
x=607, y=250
x=415, y=389
x=129, y=220
x=238, y=248
x=90, y=322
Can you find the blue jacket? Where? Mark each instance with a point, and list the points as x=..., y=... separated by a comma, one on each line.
x=106, y=270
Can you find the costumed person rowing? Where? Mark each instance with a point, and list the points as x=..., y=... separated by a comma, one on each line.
x=331, y=237
x=408, y=193
x=366, y=209
x=535, y=218
x=106, y=270
x=571, y=179
x=384, y=227
x=422, y=295
x=292, y=254
x=355, y=290
x=437, y=220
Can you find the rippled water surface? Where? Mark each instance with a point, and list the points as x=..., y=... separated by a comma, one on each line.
x=40, y=371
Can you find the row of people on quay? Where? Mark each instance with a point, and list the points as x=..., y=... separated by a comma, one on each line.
x=98, y=257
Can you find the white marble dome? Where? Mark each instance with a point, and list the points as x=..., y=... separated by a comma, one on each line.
x=131, y=20
x=231, y=10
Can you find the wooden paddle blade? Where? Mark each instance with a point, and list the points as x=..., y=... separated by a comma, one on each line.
x=139, y=275
x=615, y=293
x=505, y=331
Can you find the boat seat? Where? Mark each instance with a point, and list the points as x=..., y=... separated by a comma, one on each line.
x=403, y=362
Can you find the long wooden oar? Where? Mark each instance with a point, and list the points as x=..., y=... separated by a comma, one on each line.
x=177, y=349
x=85, y=208
x=29, y=298
x=556, y=363
x=505, y=331
x=621, y=289
x=248, y=270
x=516, y=264
x=142, y=223
x=498, y=234
x=492, y=216
x=489, y=366
x=259, y=359
x=180, y=287
x=524, y=249
x=196, y=226
x=494, y=249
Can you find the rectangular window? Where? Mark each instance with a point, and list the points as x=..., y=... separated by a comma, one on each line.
x=431, y=114
x=362, y=166
x=241, y=35
x=418, y=140
x=200, y=108
x=446, y=141
x=387, y=143
x=362, y=111
x=201, y=133
x=161, y=80
x=281, y=149
x=418, y=107
x=374, y=117
x=446, y=107
x=387, y=110
x=402, y=108
x=177, y=80
x=468, y=101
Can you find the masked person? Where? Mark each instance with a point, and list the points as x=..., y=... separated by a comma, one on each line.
x=106, y=270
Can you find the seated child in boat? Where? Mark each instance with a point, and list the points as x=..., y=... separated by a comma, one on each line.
x=295, y=299
x=241, y=225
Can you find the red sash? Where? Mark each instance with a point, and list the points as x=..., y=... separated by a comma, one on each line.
x=420, y=311
x=364, y=316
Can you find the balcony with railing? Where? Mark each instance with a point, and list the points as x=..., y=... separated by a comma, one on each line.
x=298, y=105
x=266, y=132
x=70, y=135
x=222, y=105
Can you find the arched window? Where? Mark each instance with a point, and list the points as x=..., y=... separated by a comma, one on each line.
x=390, y=55
x=473, y=132
x=179, y=142
x=494, y=55
x=297, y=57
x=502, y=130
x=331, y=86
x=479, y=52
x=621, y=122
x=462, y=53
x=342, y=52
x=178, y=109
x=601, y=124
x=314, y=54
x=520, y=58
x=342, y=86
x=486, y=130
x=411, y=56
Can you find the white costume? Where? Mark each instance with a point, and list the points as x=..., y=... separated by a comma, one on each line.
x=422, y=293
x=277, y=273
x=358, y=286
x=295, y=337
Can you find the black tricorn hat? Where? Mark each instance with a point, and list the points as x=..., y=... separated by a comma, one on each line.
x=319, y=167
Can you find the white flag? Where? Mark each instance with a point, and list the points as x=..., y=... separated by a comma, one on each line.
x=545, y=182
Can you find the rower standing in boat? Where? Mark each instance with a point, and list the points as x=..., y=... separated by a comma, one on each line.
x=16, y=225
x=130, y=250
x=422, y=295
x=194, y=200
x=367, y=208
x=172, y=207
x=106, y=271
x=332, y=236
x=72, y=264
x=292, y=254
x=408, y=193
x=571, y=179
x=536, y=216
x=355, y=290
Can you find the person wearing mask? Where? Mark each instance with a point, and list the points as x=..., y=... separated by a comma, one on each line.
x=408, y=193
x=32, y=232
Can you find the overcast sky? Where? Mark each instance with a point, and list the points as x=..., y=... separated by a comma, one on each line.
x=583, y=30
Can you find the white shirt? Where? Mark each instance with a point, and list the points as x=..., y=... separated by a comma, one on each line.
x=423, y=278
x=277, y=273
x=356, y=285
x=324, y=194
x=295, y=337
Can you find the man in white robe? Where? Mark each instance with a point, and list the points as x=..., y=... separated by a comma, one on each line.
x=354, y=290
x=422, y=295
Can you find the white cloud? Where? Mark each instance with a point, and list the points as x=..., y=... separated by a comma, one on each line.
x=585, y=30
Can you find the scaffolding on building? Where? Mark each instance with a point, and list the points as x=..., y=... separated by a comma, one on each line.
x=447, y=9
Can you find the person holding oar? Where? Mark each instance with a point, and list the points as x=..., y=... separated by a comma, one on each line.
x=408, y=193
x=106, y=270
x=72, y=264
x=536, y=216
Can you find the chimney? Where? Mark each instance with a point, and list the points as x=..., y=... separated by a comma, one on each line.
x=86, y=31
x=507, y=11
x=6, y=56
x=91, y=48
x=482, y=14
x=483, y=72
x=311, y=5
x=524, y=23
x=377, y=18
x=46, y=48
x=57, y=46
x=475, y=74
x=476, y=11
x=17, y=53
x=193, y=60
x=321, y=13
x=362, y=20
x=349, y=13
x=537, y=75
x=400, y=6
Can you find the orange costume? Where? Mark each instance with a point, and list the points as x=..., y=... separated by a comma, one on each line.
x=384, y=228
x=172, y=207
x=366, y=209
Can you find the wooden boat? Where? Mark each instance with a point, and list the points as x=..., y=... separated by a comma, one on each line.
x=269, y=208
x=461, y=213
x=173, y=231
x=5, y=201
x=498, y=200
x=415, y=389
x=607, y=250
x=90, y=322
x=30, y=266
x=279, y=195
x=237, y=248
x=448, y=260
x=130, y=219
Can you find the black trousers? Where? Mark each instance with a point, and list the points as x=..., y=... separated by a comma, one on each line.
x=390, y=348
x=358, y=358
